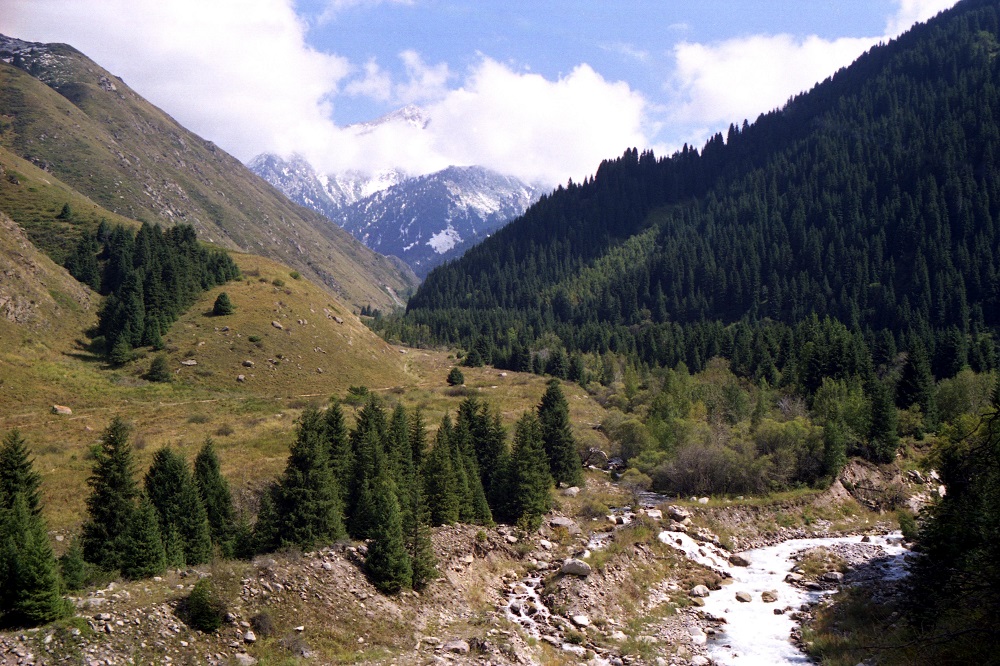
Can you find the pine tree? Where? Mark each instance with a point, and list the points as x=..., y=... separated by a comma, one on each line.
x=455, y=377
x=387, y=563
x=439, y=479
x=223, y=306
x=111, y=504
x=883, y=436
x=214, y=490
x=72, y=567
x=144, y=555
x=17, y=473
x=31, y=593
x=417, y=519
x=529, y=473
x=307, y=498
x=172, y=490
x=339, y=451
x=560, y=447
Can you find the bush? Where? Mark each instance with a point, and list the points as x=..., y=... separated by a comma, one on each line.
x=295, y=275
x=263, y=625
x=455, y=377
x=159, y=369
x=204, y=609
x=223, y=306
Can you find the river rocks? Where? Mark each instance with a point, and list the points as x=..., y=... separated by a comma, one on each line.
x=832, y=577
x=575, y=567
x=743, y=597
x=769, y=596
x=654, y=514
x=457, y=646
x=738, y=560
x=580, y=620
x=567, y=524
x=678, y=513
x=699, y=591
x=793, y=578
x=702, y=500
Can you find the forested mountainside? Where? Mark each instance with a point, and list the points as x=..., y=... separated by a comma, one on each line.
x=873, y=199
x=85, y=127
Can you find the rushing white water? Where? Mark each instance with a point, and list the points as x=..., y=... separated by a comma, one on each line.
x=753, y=634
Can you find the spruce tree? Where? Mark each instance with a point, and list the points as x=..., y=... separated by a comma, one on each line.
x=529, y=473
x=214, y=490
x=173, y=491
x=560, y=447
x=439, y=479
x=144, y=554
x=307, y=498
x=159, y=369
x=416, y=521
x=339, y=451
x=17, y=473
x=222, y=306
x=111, y=504
x=883, y=435
x=387, y=563
x=31, y=587
x=72, y=567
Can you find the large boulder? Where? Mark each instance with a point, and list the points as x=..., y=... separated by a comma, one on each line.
x=62, y=410
x=699, y=591
x=678, y=513
x=456, y=647
x=575, y=567
x=769, y=596
x=567, y=524
x=738, y=560
x=744, y=597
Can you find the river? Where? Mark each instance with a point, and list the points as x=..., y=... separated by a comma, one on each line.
x=753, y=634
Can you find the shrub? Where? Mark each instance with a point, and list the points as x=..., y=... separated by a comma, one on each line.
x=455, y=377
x=263, y=624
x=159, y=369
x=204, y=608
x=223, y=306
x=295, y=275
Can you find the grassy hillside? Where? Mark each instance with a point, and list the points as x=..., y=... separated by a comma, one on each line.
x=76, y=121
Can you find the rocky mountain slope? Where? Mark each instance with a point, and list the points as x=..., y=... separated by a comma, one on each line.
x=68, y=116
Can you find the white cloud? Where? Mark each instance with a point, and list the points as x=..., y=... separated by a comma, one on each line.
x=236, y=71
x=334, y=7
x=728, y=81
x=426, y=82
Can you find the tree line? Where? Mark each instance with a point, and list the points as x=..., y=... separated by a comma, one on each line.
x=149, y=278
x=381, y=482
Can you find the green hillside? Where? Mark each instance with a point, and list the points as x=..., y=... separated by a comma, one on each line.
x=68, y=116
x=873, y=199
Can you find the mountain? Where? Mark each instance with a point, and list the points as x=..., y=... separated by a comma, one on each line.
x=862, y=218
x=424, y=220
x=429, y=219
x=65, y=114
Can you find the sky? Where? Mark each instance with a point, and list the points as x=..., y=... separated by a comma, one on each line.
x=539, y=90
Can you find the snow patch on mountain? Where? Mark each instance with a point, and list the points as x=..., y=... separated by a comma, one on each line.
x=444, y=240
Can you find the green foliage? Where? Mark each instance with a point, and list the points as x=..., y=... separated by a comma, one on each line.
x=17, y=472
x=204, y=608
x=112, y=501
x=222, y=306
x=159, y=369
x=440, y=480
x=72, y=567
x=560, y=447
x=174, y=493
x=455, y=377
x=143, y=553
x=529, y=482
x=214, y=491
x=387, y=563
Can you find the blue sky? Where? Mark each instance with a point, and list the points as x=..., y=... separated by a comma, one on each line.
x=541, y=90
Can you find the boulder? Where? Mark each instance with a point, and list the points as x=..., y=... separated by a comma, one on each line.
x=248, y=364
x=277, y=325
x=699, y=591
x=578, y=650
x=702, y=500
x=572, y=491
x=744, y=597
x=832, y=577
x=189, y=362
x=62, y=410
x=769, y=596
x=575, y=567
x=738, y=560
x=655, y=514
x=566, y=523
x=678, y=513
x=249, y=637
x=580, y=620
x=700, y=660
x=456, y=646
x=244, y=659
x=241, y=378
x=596, y=458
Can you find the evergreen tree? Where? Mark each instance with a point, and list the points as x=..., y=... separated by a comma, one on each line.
x=173, y=492
x=387, y=563
x=455, y=377
x=529, y=473
x=144, y=555
x=111, y=504
x=417, y=519
x=223, y=306
x=339, y=451
x=883, y=435
x=307, y=499
x=17, y=473
x=560, y=447
x=214, y=490
x=72, y=567
x=30, y=579
x=159, y=369
x=439, y=479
